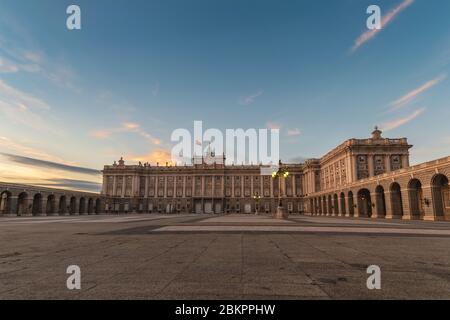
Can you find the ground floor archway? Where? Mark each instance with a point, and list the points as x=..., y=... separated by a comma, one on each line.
x=441, y=198
x=5, y=203
x=364, y=203
x=380, y=201
x=396, y=200
x=416, y=201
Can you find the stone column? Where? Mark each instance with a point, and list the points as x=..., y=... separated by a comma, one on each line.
x=430, y=214
x=389, y=213
x=294, y=186
x=43, y=209
x=271, y=188
x=405, y=161
x=375, y=209
x=341, y=212
x=347, y=206
x=86, y=206
x=202, y=188
x=146, y=188
x=77, y=207
x=133, y=189
x=354, y=168
x=223, y=192
x=114, y=188
x=371, y=165
x=325, y=206
x=55, y=210
x=407, y=215
x=232, y=186
x=165, y=187
x=261, y=186
x=13, y=201
x=28, y=207
x=387, y=163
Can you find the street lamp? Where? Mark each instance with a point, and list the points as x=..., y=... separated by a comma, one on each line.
x=257, y=197
x=281, y=173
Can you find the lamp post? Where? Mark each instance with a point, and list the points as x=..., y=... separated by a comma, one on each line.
x=281, y=173
x=256, y=197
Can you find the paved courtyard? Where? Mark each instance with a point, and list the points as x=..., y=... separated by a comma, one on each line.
x=222, y=257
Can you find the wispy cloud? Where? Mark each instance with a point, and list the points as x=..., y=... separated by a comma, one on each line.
x=48, y=164
x=392, y=124
x=386, y=19
x=23, y=108
x=294, y=132
x=250, y=99
x=412, y=95
x=18, y=55
x=273, y=125
x=9, y=92
x=126, y=127
x=11, y=145
x=14, y=59
x=156, y=156
x=20, y=169
x=7, y=66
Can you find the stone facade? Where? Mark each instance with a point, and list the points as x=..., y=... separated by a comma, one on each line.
x=359, y=178
x=205, y=187
x=27, y=200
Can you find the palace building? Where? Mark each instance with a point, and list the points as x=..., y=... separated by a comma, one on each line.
x=360, y=178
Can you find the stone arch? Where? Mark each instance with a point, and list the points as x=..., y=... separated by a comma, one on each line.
x=396, y=200
x=82, y=209
x=62, y=205
x=22, y=204
x=318, y=206
x=98, y=206
x=329, y=205
x=342, y=200
x=37, y=204
x=5, y=202
x=324, y=205
x=90, y=206
x=336, y=204
x=351, y=204
x=380, y=201
x=73, y=206
x=364, y=203
x=416, y=202
x=440, y=194
x=50, y=209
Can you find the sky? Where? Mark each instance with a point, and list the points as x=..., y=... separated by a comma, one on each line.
x=72, y=101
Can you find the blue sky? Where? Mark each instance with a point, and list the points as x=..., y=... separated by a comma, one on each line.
x=138, y=70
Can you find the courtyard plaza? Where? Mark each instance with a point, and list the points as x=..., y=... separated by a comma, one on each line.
x=192, y=256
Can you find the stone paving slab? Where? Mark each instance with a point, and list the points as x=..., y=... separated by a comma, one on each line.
x=276, y=229
x=137, y=258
